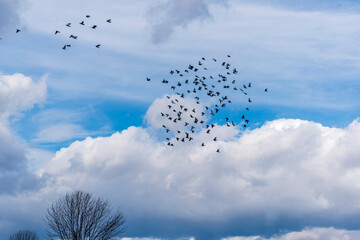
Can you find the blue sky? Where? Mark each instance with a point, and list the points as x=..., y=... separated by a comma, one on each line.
x=86, y=118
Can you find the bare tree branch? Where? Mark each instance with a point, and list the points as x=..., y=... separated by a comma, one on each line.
x=80, y=216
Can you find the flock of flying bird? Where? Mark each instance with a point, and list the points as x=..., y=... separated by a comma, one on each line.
x=197, y=82
x=75, y=36
x=68, y=45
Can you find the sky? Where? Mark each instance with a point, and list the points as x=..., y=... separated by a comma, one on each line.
x=86, y=118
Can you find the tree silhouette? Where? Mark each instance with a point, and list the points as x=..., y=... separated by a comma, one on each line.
x=80, y=216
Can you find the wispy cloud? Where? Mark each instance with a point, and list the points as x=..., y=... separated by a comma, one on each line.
x=165, y=17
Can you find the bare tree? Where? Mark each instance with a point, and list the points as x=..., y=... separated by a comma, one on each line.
x=80, y=216
x=24, y=235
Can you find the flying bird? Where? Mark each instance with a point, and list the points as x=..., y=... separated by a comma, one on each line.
x=109, y=20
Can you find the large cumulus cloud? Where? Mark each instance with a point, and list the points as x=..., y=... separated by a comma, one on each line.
x=287, y=169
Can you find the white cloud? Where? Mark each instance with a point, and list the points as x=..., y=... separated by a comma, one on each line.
x=288, y=168
x=60, y=133
x=19, y=93
x=292, y=167
x=309, y=234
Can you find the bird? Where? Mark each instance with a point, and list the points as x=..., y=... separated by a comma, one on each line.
x=88, y=16
x=201, y=85
x=94, y=27
x=18, y=30
x=68, y=24
x=82, y=23
x=98, y=46
x=266, y=90
x=57, y=32
x=218, y=150
x=109, y=20
x=73, y=36
x=148, y=79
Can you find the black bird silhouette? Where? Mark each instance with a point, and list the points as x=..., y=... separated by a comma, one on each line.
x=18, y=30
x=68, y=25
x=87, y=16
x=148, y=79
x=73, y=36
x=109, y=20
x=56, y=32
x=218, y=151
x=266, y=90
x=98, y=46
x=94, y=27
x=82, y=23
